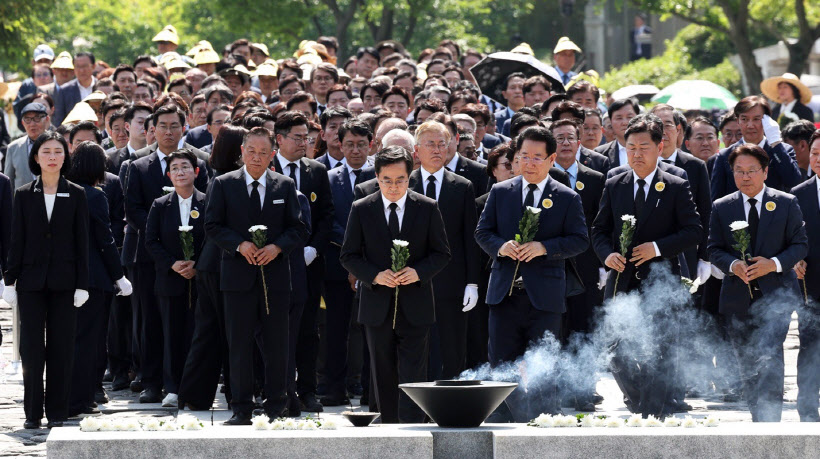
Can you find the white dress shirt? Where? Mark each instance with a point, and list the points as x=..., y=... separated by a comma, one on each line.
x=646, y=185
x=525, y=188
x=399, y=210
x=759, y=206
x=85, y=92
x=161, y=156
x=185, y=208
x=260, y=188
x=49, y=204
x=624, y=160
x=672, y=158
x=439, y=175
x=333, y=161
x=453, y=163
x=286, y=169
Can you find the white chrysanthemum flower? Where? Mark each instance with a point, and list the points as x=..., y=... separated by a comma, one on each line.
x=308, y=425
x=566, y=421
x=738, y=225
x=614, y=422
x=329, y=424
x=534, y=210
x=131, y=425
x=588, y=421
x=277, y=425
x=151, y=424
x=634, y=421
x=400, y=243
x=672, y=421
x=261, y=422
x=192, y=424
x=168, y=189
x=186, y=228
x=652, y=421
x=290, y=424
x=599, y=422
x=689, y=422
x=629, y=219
x=256, y=228
x=169, y=425
x=105, y=425
x=711, y=421
x=89, y=424
x=544, y=420
x=118, y=424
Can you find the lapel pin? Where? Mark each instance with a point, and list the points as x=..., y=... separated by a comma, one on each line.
x=770, y=206
x=194, y=214
x=579, y=185
x=313, y=196
x=660, y=186
x=546, y=203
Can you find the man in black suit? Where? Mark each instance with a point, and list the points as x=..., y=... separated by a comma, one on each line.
x=254, y=302
x=331, y=120
x=473, y=171
x=215, y=95
x=397, y=308
x=146, y=179
x=758, y=128
x=77, y=89
x=667, y=223
x=135, y=116
x=174, y=285
x=311, y=179
x=5, y=223
x=620, y=113
x=589, y=184
x=639, y=47
x=808, y=274
x=760, y=289
x=355, y=138
x=456, y=286
x=527, y=285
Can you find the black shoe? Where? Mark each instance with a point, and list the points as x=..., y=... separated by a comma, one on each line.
x=32, y=424
x=731, y=396
x=100, y=397
x=584, y=406
x=678, y=406
x=321, y=389
x=329, y=400
x=310, y=404
x=136, y=385
x=108, y=377
x=238, y=419
x=120, y=383
x=86, y=410
x=53, y=424
x=294, y=408
x=355, y=390
x=150, y=396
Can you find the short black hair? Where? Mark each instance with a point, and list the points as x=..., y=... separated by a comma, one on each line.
x=123, y=68
x=220, y=108
x=536, y=134
x=45, y=137
x=700, y=120
x=220, y=89
x=645, y=123
x=393, y=155
x=333, y=112
x=565, y=122
x=117, y=115
x=145, y=58
x=749, y=150
x=87, y=165
x=511, y=76
x=621, y=103
x=355, y=127
x=750, y=102
x=522, y=122
x=593, y=112
x=570, y=107
x=584, y=86
x=534, y=81
x=396, y=91
x=132, y=110
x=553, y=98
x=85, y=126
x=327, y=68
x=183, y=153
x=798, y=130
x=288, y=121
x=301, y=97
x=167, y=109
x=87, y=54
x=368, y=50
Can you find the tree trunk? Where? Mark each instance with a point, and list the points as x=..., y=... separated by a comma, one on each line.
x=798, y=57
x=738, y=16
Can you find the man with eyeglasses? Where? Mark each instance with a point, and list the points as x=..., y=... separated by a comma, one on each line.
x=759, y=293
x=528, y=280
x=396, y=308
x=77, y=89
x=147, y=175
x=35, y=121
x=322, y=78
x=311, y=179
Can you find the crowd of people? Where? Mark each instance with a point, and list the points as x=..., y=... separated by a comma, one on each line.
x=189, y=220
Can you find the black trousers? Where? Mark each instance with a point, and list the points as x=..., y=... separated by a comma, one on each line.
x=513, y=326
x=478, y=334
x=90, y=326
x=245, y=315
x=177, y=316
x=307, y=349
x=294, y=325
x=120, y=351
x=151, y=339
x=448, y=340
x=208, y=354
x=397, y=356
x=102, y=341
x=808, y=363
x=338, y=304
x=757, y=339
x=47, y=317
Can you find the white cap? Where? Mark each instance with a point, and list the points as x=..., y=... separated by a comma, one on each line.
x=43, y=52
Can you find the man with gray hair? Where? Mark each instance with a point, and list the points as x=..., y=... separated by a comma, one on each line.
x=400, y=138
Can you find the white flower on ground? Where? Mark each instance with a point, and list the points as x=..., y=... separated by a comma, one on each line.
x=588, y=421
x=652, y=421
x=290, y=424
x=277, y=425
x=118, y=424
x=105, y=425
x=629, y=218
x=689, y=422
x=261, y=422
x=307, y=425
x=598, y=422
x=738, y=225
x=192, y=424
x=89, y=424
x=534, y=210
x=329, y=424
x=544, y=420
x=186, y=228
x=151, y=424
x=614, y=422
x=131, y=425
x=169, y=425
x=256, y=228
x=566, y=421
x=400, y=243
x=672, y=421
x=711, y=421
x=634, y=421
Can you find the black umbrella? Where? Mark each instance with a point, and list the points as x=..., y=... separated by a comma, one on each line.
x=491, y=72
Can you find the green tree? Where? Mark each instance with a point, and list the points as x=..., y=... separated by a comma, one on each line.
x=21, y=30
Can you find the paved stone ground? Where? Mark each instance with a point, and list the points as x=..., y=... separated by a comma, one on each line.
x=18, y=442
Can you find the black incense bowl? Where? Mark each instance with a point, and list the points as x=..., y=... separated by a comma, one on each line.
x=458, y=403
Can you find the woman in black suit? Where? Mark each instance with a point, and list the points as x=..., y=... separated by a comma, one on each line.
x=47, y=274
x=105, y=269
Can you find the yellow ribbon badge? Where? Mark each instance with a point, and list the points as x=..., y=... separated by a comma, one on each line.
x=660, y=186
x=770, y=206
x=579, y=185
x=194, y=214
x=546, y=203
x=313, y=197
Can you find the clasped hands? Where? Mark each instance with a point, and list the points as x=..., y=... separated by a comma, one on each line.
x=256, y=256
x=760, y=267
x=184, y=268
x=640, y=255
x=522, y=252
x=391, y=279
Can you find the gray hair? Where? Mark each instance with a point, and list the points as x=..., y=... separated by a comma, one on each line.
x=400, y=138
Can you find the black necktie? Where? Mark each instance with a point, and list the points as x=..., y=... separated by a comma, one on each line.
x=337, y=165
x=754, y=222
x=529, y=201
x=165, y=178
x=256, y=203
x=292, y=174
x=640, y=198
x=393, y=221
x=431, y=187
x=667, y=161
x=357, y=173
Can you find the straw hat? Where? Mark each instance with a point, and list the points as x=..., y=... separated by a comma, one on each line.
x=81, y=112
x=261, y=47
x=201, y=45
x=240, y=70
x=63, y=61
x=769, y=87
x=168, y=33
x=564, y=44
x=523, y=48
x=96, y=96
x=588, y=75
x=3, y=88
x=206, y=56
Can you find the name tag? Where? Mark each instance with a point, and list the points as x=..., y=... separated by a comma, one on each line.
x=63, y=195
x=278, y=201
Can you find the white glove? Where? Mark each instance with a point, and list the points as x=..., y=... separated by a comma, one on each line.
x=80, y=297
x=602, y=275
x=717, y=273
x=704, y=271
x=771, y=130
x=470, y=297
x=10, y=295
x=125, y=287
x=310, y=255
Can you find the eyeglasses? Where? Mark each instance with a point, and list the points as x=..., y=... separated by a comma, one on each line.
x=42, y=75
x=322, y=78
x=288, y=92
x=33, y=119
x=298, y=139
x=359, y=146
x=525, y=159
x=749, y=173
x=435, y=146
x=181, y=170
x=392, y=183
x=507, y=165
x=568, y=139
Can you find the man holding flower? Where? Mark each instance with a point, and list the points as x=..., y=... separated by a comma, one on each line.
x=760, y=290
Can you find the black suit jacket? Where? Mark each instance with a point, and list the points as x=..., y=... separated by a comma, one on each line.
x=5, y=219
x=806, y=194
x=669, y=219
x=783, y=171
x=594, y=160
x=227, y=222
x=49, y=254
x=199, y=136
x=699, y=186
x=474, y=172
x=366, y=252
x=65, y=100
x=298, y=269
x=128, y=252
x=162, y=240
x=611, y=151
x=802, y=112
x=315, y=185
x=456, y=203
x=343, y=198
x=200, y=155
x=103, y=259
x=115, y=158
x=112, y=187
x=143, y=186
x=590, y=186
